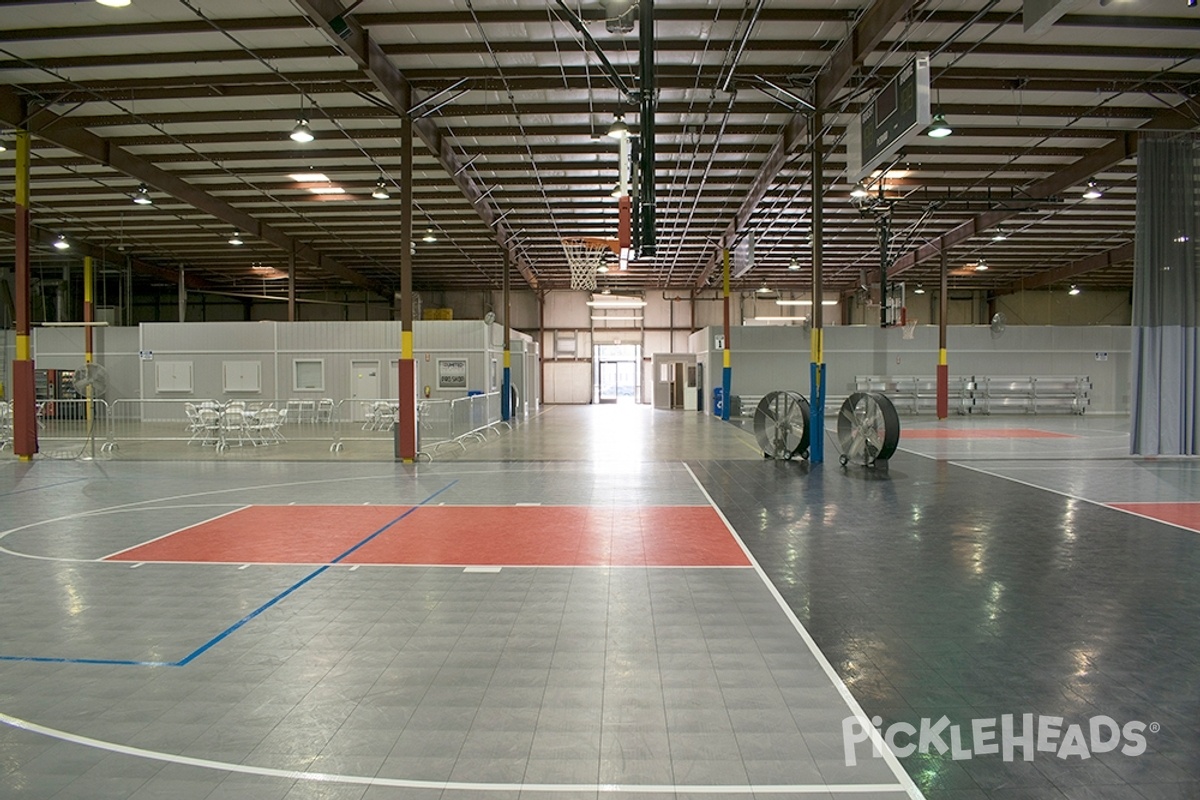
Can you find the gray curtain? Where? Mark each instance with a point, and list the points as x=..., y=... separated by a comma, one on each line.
x=1166, y=298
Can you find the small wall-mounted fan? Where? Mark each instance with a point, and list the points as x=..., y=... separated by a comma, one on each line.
x=998, y=325
x=92, y=375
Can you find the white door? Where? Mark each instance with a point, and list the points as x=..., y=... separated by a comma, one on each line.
x=364, y=387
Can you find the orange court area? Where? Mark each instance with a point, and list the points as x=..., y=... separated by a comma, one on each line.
x=561, y=536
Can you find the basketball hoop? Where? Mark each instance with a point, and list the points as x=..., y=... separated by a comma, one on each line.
x=584, y=255
x=909, y=329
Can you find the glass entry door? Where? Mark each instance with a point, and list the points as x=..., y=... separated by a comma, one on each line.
x=617, y=373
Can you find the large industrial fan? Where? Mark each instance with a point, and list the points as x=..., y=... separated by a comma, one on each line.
x=90, y=375
x=868, y=429
x=781, y=425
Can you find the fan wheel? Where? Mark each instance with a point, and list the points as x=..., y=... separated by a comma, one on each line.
x=781, y=425
x=868, y=428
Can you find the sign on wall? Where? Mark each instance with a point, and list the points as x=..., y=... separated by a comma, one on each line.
x=452, y=373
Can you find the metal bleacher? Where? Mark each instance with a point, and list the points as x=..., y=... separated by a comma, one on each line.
x=984, y=394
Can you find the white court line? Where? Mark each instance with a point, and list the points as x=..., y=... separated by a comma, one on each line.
x=172, y=533
x=905, y=782
x=404, y=783
x=1070, y=496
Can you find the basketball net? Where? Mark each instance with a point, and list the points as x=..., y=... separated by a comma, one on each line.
x=909, y=329
x=584, y=257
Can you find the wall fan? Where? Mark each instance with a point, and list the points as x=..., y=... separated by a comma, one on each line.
x=92, y=375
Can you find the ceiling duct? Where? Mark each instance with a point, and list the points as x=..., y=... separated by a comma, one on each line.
x=620, y=16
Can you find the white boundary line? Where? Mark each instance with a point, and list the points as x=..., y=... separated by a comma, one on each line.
x=905, y=782
x=1070, y=496
x=405, y=783
x=172, y=533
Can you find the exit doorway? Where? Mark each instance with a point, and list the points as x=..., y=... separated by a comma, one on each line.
x=617, y=376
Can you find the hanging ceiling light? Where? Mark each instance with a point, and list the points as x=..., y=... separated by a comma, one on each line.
x=2, y=146
x=603, y=268
x=919, y=290
x=429, y=237
x=236, y=239
x=859, y=191
x=938, y=127
x=794, y=264
x=61, y=243
x=114, y=3
x=381, y=191
x=1074, y=290
x=618, y=192
x=618, y=129
x=301, y=133
x=764, y=289
x=999, y=235
x=1092, y=192
x=981, y=266
x=142, y=196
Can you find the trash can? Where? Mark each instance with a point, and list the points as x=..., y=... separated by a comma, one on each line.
x=718, y=404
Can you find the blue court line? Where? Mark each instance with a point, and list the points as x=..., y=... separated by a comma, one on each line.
x=39, y=488
x=199, y=651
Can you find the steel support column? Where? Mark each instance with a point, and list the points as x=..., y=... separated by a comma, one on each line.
x=406, y=424
x=506, y=386
x=816, y=441
x=89, y=316
x=291, y=287
x=727, y=362
x=24, y=407
x=943, y=366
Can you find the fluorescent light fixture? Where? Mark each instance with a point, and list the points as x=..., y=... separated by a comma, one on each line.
x=603, y=318
x=327, y=190
x=618, y=129
x=429, y=237
x=61, y=243
x=381, y=191
x=1074, y=290
x=794, y=264
x=804, y=302
x=142, y=196
x=301, y=133
x=780, y=319
x=309, y=177
x=114, y=3
x=859, y=190
x=236, y=239
x=938, y=127
x=1092, y=192
x=616, y=301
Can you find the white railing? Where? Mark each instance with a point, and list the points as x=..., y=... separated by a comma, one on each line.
x=188, y=428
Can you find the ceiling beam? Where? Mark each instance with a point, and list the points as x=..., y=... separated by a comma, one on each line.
x=354, y=41
x=868, y=32
x=44, y=124
x=1118, y=256
x=1075, y=174
x=45, y=238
